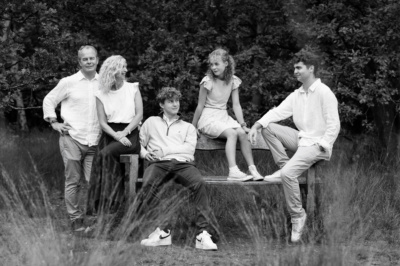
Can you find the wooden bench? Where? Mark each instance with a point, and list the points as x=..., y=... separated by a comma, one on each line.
x=309, y=179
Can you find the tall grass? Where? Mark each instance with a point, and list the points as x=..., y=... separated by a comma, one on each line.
x=358, y=219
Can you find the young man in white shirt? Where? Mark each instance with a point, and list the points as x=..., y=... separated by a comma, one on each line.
x=169, y=143
x=314, y=109
x=80, y=131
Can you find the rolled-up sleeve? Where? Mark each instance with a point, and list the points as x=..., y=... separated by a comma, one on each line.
x=331, y=116
x=53, y=98
x=283, y=111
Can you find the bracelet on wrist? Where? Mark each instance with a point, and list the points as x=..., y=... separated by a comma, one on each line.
x=244, y=124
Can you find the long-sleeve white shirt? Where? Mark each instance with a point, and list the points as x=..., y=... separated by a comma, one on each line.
x=315, y=115
x=177, y=139
x=78, y=107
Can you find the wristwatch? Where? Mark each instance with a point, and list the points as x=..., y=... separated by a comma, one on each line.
x=52, y=121
x=244, y=124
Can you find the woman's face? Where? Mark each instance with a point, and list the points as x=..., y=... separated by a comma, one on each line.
x=217, y=66
x=122, y=73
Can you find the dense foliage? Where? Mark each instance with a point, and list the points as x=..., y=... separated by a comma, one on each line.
x=167, y=43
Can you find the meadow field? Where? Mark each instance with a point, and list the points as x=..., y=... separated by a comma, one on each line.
x=358, y=221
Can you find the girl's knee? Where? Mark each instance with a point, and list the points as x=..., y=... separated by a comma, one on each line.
x=231, y=133
x=241, y=133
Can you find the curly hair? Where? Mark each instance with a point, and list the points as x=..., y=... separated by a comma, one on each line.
x=309, y=58
x=168, y=93
x=110, y=67
x=225, y=57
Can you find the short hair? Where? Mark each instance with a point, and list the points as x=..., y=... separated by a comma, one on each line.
x=168, y=93
x=308, y=58
x=86, y=47
x=110, y=67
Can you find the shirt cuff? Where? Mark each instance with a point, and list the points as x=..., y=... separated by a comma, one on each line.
x=264, y=124
x=143, y=153
x=324, y=144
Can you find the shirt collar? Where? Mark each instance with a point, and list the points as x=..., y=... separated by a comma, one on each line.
x=169, y=121
x=312, y=87
x=80, y=76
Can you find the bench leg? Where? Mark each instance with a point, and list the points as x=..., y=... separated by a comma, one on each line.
x=131, y=162
x=311, y=191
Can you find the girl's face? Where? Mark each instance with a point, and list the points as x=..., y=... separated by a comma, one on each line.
x=122, y=73
x=217, y=66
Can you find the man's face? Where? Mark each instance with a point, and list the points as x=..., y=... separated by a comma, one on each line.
x=170, y=106
x=302, y=72
x=88, y=60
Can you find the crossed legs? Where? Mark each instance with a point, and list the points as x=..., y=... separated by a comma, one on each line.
x=279, y=139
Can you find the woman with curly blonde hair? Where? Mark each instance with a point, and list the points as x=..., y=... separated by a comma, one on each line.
x=120, y=110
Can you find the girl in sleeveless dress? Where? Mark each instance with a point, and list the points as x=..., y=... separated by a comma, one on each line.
x=211, y=117
x=120, y=110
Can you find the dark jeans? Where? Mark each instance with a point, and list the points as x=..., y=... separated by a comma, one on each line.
x=106, y=190
x=158, y=173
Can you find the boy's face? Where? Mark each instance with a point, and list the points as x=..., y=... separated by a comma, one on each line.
x=302, y=72
x=171, y=106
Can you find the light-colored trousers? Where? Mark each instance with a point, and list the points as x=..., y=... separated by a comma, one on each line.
x=77, y=160
x=280, y=138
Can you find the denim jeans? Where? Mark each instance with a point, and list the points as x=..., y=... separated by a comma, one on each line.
x=158, y=173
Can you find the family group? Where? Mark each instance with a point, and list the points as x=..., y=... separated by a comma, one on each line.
x=102, y=116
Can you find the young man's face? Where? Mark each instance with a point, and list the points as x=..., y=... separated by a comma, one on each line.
x=302, y=72
x=88, y=60
x=170, y=106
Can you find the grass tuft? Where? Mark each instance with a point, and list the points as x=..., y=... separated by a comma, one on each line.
x=358, y=221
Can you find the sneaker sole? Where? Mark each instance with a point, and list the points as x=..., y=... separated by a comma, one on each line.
x=273, y=179
x=239, y=180
x=208, y=249
x=164, y=242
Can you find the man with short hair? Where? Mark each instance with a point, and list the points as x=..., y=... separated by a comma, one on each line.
x=169, y=143
x=80, y=131
x=314, y=109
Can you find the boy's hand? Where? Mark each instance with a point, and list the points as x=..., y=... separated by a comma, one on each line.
x=252, y=136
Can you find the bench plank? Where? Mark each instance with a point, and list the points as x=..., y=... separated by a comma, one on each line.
x=204, y=143
x=221, y=180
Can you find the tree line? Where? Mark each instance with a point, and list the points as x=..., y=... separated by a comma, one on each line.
x=166, y=43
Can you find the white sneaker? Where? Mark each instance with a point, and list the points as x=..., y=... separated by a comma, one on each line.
x=157, y=238
x=297, y=228
x=256, y=175
x=204, y=241
x=238, y=176
x=275, y=177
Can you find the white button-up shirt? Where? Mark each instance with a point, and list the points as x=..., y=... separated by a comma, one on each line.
x=78, y=107
x=315, y=114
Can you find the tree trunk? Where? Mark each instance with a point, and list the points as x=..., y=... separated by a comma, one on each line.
x=19, y=103
x=23, y=125
x=388, y=123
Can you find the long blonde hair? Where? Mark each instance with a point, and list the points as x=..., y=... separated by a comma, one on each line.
x=110, y=67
